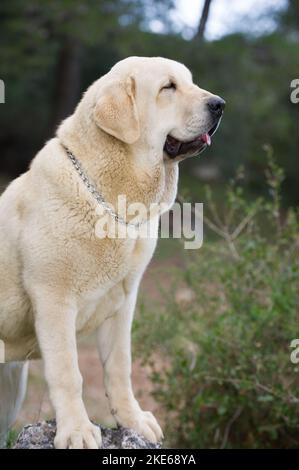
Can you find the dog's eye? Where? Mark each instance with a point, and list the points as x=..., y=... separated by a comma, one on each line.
x=170, y=86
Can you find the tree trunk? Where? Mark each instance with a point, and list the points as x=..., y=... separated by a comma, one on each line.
x=66, y=81
x=203, y=20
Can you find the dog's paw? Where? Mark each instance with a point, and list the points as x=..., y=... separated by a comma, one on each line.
x=142, y=422
x=84, y=435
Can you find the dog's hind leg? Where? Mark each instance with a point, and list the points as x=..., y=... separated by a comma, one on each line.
x=13, y=384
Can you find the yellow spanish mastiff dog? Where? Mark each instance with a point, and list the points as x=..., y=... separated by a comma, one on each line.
x=58, y=280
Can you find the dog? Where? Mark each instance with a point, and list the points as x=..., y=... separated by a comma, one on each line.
x=59, y=280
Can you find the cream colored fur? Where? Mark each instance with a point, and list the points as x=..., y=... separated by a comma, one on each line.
x=58, y=280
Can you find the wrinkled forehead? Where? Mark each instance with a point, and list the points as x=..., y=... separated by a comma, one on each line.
x=153, y=68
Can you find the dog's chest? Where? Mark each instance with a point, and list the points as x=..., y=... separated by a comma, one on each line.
x=110, y=283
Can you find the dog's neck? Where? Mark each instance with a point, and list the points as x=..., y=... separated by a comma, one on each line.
x=136, y=171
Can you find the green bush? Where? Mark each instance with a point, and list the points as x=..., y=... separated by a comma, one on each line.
x=12, y=438
x=226, y=378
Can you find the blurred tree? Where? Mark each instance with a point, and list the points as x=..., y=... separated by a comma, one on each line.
x=51, y=51
x=290, y=17
x=76, y=23
x=43, y=47
x=203, y=20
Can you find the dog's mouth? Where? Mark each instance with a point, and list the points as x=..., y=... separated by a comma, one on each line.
x=175, y=148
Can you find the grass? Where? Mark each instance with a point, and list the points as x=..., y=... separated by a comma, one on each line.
x=12, y=438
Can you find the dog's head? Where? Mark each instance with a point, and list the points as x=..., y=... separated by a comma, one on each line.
x=154, y=101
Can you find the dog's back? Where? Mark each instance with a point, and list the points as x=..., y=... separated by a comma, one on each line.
x=13, y=375
x=14, y=302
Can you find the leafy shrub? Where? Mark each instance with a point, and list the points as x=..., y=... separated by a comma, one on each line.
x=227, y=379
x=12, y=438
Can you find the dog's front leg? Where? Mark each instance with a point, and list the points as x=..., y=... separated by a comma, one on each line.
x=55, y=322
x=114, y=343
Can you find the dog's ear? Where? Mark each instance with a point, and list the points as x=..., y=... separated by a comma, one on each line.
x=116, y=112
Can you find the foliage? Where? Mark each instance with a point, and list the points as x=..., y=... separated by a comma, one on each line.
x=11, y=438
x=227, y=379
x=253, y=74
x=290, y=17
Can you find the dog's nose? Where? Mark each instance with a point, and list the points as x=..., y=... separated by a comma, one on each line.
x=216, y=105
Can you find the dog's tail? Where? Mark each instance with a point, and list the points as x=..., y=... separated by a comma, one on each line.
x=13, y=384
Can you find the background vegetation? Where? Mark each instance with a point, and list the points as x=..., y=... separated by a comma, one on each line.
x=225, y=328
x=51, y=51
x=221, y=334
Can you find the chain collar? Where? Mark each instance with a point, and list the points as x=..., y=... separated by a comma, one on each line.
x=96, y=195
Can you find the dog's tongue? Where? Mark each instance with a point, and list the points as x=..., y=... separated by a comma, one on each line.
x=206, y=138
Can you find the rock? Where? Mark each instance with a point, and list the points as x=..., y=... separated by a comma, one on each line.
x=41, y=436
